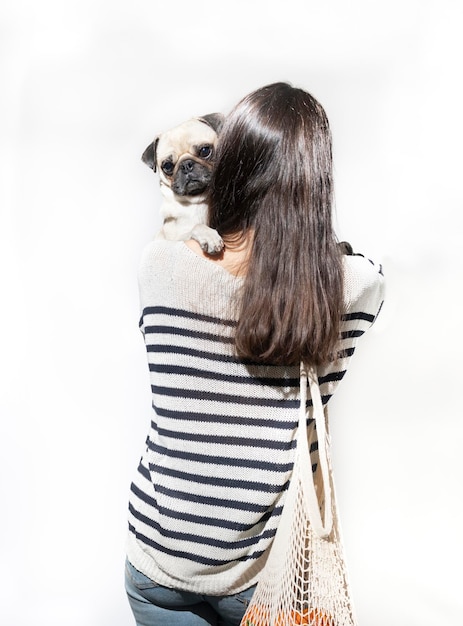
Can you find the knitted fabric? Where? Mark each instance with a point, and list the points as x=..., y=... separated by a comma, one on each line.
x=209, y=490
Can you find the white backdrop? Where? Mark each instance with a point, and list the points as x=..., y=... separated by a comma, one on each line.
x=85, y=85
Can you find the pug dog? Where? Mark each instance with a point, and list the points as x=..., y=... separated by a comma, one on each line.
x=184, y=157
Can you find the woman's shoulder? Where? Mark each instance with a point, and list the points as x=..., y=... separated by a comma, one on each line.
x=158, y=246
x=157, y=256
x=160, y=251
x=363, y=282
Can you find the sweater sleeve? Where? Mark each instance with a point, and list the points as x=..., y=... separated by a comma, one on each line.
x=363, y=298
x=152, y=275
x=145, y=275
x=363, y=287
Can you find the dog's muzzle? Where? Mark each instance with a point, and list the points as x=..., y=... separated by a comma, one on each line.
x=191, y=179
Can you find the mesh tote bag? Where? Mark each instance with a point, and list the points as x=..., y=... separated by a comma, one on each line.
x=304, y=580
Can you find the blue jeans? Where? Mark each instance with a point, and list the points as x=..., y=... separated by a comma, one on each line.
x=154, y=605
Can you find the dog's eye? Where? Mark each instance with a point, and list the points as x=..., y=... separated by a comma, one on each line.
x=205, y=152
x=168, y=168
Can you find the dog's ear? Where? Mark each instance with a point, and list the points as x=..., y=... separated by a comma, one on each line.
x=149, y=155
x=214, y=120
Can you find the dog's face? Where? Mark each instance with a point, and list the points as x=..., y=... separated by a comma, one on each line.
x=184, y=155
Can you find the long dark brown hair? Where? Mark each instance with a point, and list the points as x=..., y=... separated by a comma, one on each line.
x=273, y=178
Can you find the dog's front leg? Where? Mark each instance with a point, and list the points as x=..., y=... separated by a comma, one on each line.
x=208, y=238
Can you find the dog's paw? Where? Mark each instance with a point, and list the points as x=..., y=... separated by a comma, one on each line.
x=208, y=238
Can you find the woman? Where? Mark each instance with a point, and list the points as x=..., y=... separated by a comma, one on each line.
x=224, y=338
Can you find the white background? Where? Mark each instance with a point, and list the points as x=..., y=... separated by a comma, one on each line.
x=85, y=86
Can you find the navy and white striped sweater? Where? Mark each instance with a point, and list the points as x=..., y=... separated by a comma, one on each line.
x=210, y=486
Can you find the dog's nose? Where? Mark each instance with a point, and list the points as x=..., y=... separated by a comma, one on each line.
x=187, y=165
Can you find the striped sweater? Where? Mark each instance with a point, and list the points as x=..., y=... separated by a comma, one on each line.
x=208, y=493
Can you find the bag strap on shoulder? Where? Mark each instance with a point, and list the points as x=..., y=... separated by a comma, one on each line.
x=321, y=524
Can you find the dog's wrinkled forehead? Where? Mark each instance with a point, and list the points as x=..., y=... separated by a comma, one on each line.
x=184, y=139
